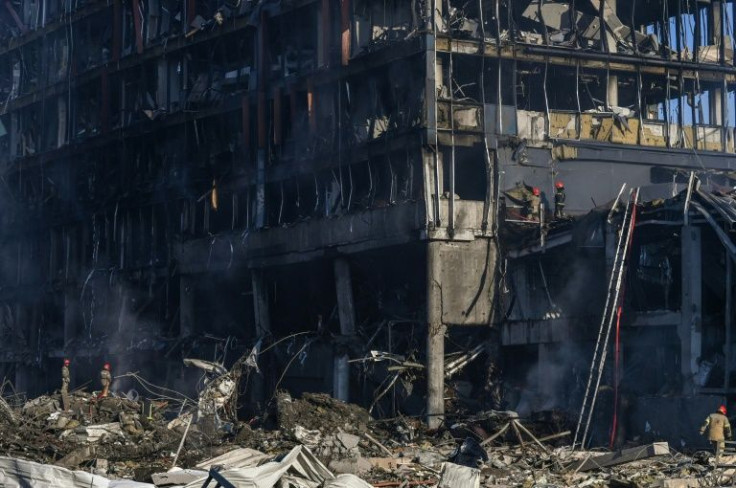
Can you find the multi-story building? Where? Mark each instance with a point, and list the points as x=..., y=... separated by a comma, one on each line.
x=188, y=178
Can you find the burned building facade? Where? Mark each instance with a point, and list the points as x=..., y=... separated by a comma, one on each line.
x=324, y=179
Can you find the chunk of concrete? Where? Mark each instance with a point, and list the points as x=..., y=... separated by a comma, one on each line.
x=349, y=441
x=625, y=456
x=680, y=483
x=456, y=476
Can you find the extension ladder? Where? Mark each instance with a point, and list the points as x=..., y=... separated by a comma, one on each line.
x=609, y=314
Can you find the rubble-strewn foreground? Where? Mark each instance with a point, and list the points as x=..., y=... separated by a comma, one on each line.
x=314, y=441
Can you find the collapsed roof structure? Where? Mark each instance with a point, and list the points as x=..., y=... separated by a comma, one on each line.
x=363, y=195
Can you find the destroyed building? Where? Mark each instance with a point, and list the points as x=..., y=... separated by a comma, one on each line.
x=345, y=184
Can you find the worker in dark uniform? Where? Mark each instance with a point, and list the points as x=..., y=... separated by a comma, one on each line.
x=105, y=380
x=559, y=200
x=719, y=429
x=65, y=379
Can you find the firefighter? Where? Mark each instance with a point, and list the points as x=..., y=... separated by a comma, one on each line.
x=559, y=200
x=719, y=429
x=535, y=201
x=105, y=379
x=65, y=378
x=130, y=423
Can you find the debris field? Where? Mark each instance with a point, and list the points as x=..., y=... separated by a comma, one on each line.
x=314, y=441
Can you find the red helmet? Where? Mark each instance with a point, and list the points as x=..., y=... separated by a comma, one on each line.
x=559, y=184
x=536, y=191
x=722, y=409
x=106, y=366
x=67, y=362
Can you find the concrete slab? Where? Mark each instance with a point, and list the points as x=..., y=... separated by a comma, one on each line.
x=625, y=456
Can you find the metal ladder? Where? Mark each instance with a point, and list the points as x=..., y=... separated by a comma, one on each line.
x=609, y=313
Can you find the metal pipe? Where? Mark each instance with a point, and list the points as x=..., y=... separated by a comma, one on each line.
x=640, y=105
x=437, y=211
x=626, y=59
x=724, y=114
x=183, y=438
x=545, y=33
x=632, y=28
x=694, y=115
x=722, y=32
x=546, y=98
x=542, y=235
x=686, y=207
x=579, y=115
x=667, y=109
x=451, y=206
x=680, y=111
x=489, y=163
x=696, y=40
x=722, y=236
x=499, y=91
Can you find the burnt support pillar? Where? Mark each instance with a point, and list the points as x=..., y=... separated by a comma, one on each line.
x=186, y=305
x=612, y=92
x=435, y=339
x=346, y=11
x=22, y=325
x=716, y=94
x=690, y=329
x=71, y=315
x=325, y=38
x=260, y=303
x=263, y=329
x=346, y=313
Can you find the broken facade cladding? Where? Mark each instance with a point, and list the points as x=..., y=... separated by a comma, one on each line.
x=190, y=179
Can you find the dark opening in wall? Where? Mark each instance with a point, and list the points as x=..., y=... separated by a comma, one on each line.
x=655, y=281
x=470, y=172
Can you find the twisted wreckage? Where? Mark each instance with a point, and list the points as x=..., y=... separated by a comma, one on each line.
x=431, y=208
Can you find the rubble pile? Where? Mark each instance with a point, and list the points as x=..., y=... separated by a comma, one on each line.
x=314, y=441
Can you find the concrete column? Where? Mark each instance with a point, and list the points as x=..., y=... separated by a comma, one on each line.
x=186, y=305
x=428, y=171
x=346, y=313
x=716, y=94
x=716, y=106
x=22, y=381
x=612, y=79
x=72, y=316
x=435, y=339
x=263, y=329
x=690, y=329
x=260, y=303
x=260, y=203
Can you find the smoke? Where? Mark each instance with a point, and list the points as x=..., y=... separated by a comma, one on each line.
x=555, y=381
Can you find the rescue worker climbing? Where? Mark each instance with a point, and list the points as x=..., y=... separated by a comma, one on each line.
x=719, y=429
x=105, y=380
x=559, y=200
x=65, y=379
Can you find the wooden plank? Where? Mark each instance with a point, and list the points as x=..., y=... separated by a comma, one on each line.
x=623, y=457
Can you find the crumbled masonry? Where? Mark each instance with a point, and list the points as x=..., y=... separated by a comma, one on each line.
x=342, y=439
